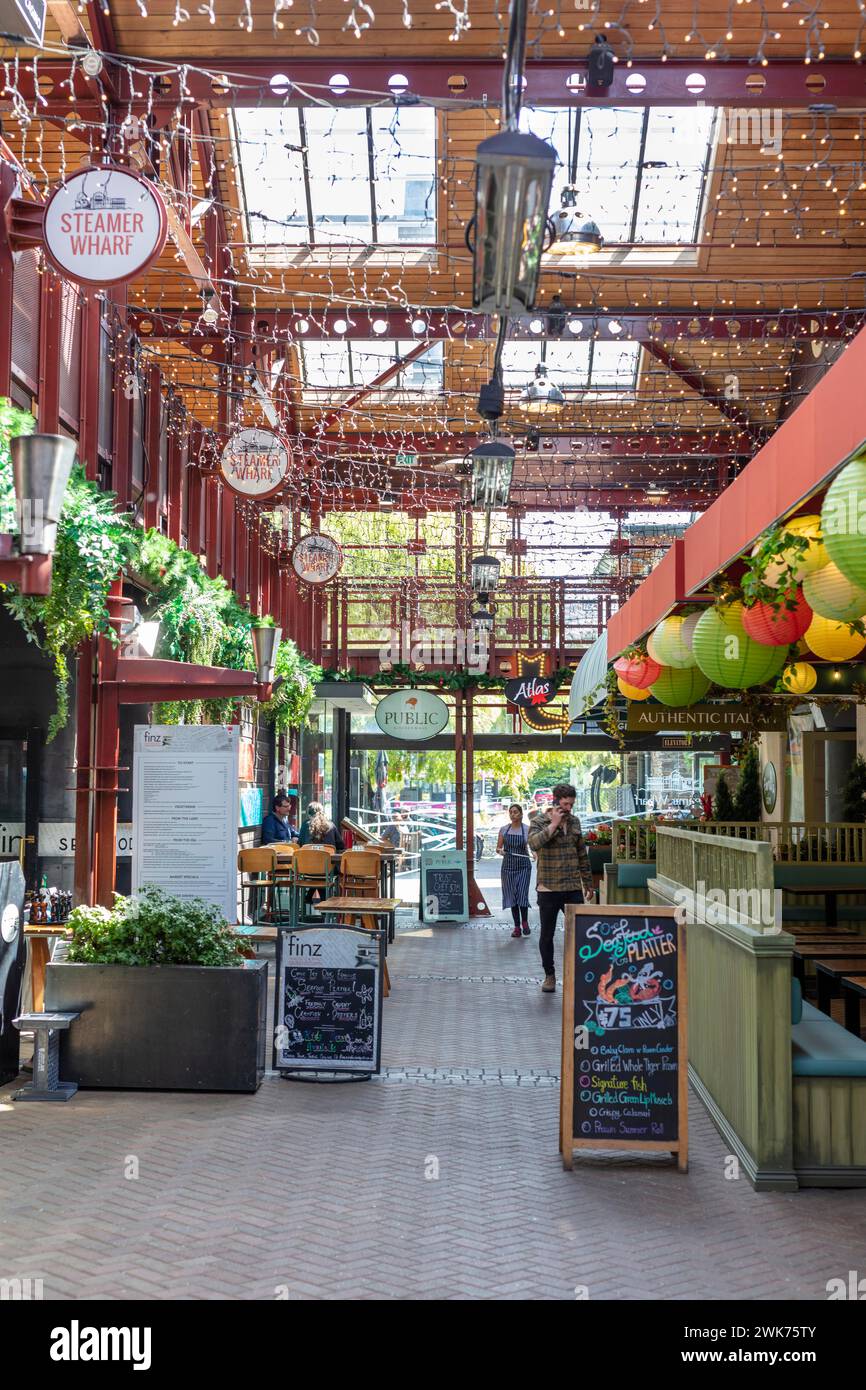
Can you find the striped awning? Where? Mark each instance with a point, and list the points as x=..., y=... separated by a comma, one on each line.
x=589, y=683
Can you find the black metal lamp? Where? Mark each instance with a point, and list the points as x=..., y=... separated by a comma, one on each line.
x=485, y=574
x=513, y=178
x=492, y=467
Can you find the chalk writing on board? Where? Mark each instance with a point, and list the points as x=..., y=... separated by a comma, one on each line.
x=625, y=1007
x=328, y=1000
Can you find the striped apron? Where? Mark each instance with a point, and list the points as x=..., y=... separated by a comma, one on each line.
x=516, y=868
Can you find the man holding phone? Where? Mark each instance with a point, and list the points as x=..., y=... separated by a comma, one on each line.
x=564, y=874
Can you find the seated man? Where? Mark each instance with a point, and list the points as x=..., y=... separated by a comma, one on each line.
x=275, y=826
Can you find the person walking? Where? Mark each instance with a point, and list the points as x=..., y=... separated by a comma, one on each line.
x=564, y=872
x=516, y=868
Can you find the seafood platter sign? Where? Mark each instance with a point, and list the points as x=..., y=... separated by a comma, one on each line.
x=624, y=1053
x=328, y=1001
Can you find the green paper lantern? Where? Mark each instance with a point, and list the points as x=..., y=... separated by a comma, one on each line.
x=728, y=655
x=678, y=687
x=843, y=521
x=668, y=647
x=831, y=595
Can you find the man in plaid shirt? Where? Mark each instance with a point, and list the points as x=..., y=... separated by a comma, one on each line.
x=564, y=874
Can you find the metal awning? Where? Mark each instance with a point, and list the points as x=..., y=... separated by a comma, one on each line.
x=589, y=683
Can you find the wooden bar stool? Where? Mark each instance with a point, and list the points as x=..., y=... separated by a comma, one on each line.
x=360, y=873
x=258, y=875
x=312, y=868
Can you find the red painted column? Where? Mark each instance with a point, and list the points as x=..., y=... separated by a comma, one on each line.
x=254, y=581
x=212, y=525
x=121, y=453
x=88, y=391
x=84, y=695
x=195, y=488
x=152, y=440
x=7, y=271
x=174, y=499
x=227, y=548
x=241, y=557
x=50, y=313
x=107, y=749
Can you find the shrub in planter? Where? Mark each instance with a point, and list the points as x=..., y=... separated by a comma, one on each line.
x=167, y=1001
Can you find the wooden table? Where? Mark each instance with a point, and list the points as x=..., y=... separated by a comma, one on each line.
x=365, y=911
x=830, y=891
x=826, y=950
x=853, y=990
x=829, y=972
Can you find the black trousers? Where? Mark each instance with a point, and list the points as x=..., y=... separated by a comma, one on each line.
x=549, y=906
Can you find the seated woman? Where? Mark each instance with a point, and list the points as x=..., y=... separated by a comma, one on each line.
x=318, y=830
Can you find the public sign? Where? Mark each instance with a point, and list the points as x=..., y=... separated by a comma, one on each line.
x=184, y=812
x=707, y=718
x=23, y=20
x=444, y=886
x=104, y=226
x=255, y=462
x=624, y=1063
x=316, y=559
x=328, y=1000
x=412, y=715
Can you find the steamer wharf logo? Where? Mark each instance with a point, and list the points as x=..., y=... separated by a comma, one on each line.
x=104, y=226
x=254, y=463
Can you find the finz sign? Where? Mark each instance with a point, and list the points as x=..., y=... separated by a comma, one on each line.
x=412, y=715
x=254, y=463
x=104, y=226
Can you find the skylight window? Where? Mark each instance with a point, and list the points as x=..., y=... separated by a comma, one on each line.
x=347, y=365
x=582, y=366
x=641, y=174
x=326, y=176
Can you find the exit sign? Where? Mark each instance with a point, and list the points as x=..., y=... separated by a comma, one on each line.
x=407, y=460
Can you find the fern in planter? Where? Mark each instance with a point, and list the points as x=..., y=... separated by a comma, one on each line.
x=152, y=929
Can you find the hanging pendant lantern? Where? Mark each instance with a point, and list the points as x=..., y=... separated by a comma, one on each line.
x=513, y=178
x=542, y=396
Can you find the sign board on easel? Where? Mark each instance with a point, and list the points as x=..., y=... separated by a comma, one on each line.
x=624, y=1054
x=328, y=1000
x=444, y=886
x=184, y=812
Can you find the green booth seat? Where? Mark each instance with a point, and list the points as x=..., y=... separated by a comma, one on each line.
x=824, y=1049
x=635, y=875
x=815, y=876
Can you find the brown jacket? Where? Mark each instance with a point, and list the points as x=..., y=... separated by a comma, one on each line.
x=563, y=861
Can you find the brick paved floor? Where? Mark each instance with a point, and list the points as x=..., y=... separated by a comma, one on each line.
x=324, y=1191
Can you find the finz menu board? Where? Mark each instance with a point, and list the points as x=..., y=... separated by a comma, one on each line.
x=184, y=812
x=624, y=1055
x=328, y=1000
x=444, y=888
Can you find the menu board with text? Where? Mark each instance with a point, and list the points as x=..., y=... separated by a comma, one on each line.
x=624, y=1053
x=184, y=812
x=328, y=1000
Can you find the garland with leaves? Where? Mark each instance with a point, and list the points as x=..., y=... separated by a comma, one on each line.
x=401, y=675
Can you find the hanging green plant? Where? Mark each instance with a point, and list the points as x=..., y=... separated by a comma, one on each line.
x=289, y=706
x=12, y=422
x=610, y=717
x=94, y=543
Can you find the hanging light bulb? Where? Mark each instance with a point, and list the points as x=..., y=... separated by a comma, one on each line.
x=542, y=397
x=573, y=230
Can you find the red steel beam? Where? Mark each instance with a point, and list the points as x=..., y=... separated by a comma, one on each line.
x=699, y=383
x=381, y=380
x=310, y=323
x=552, y=82
x=698, y=444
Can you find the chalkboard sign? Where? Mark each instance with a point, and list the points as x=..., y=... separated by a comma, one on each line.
x=624, y=1056
x=328, y=1000
x=444, y=889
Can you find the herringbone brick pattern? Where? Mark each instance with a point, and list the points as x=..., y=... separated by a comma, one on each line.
x=441, y=1179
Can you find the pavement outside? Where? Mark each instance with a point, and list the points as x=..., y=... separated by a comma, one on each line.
x=439, y=1179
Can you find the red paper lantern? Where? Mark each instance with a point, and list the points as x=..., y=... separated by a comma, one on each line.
x=777, y=627
x=639, y=671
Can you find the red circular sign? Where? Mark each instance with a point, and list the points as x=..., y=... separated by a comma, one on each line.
x=104, y=225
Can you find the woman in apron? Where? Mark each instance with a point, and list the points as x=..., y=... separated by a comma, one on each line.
x=516, y=869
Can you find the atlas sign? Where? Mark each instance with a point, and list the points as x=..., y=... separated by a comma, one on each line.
x=412, y=715
x=255, y=463
x=104, y=226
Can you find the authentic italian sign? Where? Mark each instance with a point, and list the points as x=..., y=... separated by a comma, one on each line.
x=716, y=719
x=104, y=226
x=254, y=463
x=412, y=715
x=316, y=559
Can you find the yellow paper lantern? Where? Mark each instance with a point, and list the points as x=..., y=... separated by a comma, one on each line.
x=800, y=677
x=834, y=641
x=631, y=692
x=792, y=564
x=831, y=595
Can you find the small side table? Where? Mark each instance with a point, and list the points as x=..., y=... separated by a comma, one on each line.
x=46, y=1083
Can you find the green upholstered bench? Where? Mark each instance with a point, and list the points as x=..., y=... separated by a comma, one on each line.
x=816, y=875
x=829, y=1098
x=634, y=875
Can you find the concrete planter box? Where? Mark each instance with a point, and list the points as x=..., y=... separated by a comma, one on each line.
x=162, y=1027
